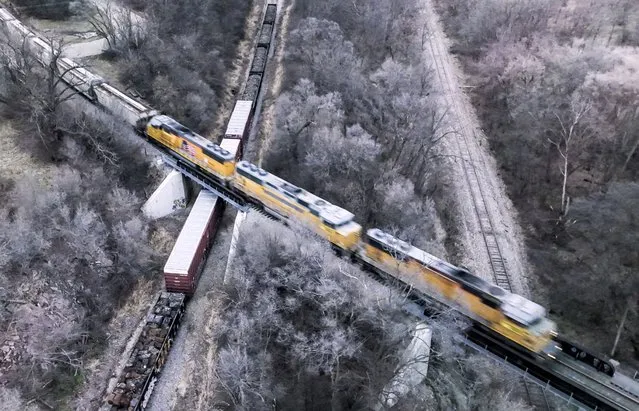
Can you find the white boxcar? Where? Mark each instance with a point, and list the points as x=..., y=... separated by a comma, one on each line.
x=185, y=262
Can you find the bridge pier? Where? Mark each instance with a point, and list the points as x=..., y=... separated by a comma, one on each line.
x=170, y=195
x=411, y=371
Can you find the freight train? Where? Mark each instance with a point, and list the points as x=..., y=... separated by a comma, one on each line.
x=515, y=318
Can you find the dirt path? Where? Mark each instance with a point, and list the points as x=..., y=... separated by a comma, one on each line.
x=470, y=144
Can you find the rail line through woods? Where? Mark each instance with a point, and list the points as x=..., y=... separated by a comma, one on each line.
x=536, y=395
x=478, y=195
x=135, y=387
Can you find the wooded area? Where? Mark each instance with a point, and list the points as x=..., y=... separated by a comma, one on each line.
x=302, y=329
x=73, y=241
x=72, y=238
x=355, y=124
x=180, y=59
x=556, y=86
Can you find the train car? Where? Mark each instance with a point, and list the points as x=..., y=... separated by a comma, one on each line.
x=284, y=200
x=13, y=28
x=517, y=319
x=183, y=267
x=18, y=33
x=236, y=134
x=123, y=106
x=197, y=150
x=252, y=88
x=265, y=34
x=271, y=13
x=233, y=146
x=79, y=78
x=240, y=120
x=149, y=354
x=595, y=360
x=258, y=64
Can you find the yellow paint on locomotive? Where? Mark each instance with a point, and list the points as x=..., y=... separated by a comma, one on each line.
x=191, y=152
x=287, y=207
x=411, y=275
x=521, y=335
x=450, y=292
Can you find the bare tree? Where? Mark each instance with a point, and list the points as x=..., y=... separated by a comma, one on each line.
x=119, y=26
x=35, y=87
x=572, y=132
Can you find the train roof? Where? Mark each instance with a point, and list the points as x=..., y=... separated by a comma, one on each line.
x=328, y=212
x=239, y=118
x=186, y=245
x=231, y=145
x=521, y=309
x=71, y=68
x=210, y=148
x=514, y=306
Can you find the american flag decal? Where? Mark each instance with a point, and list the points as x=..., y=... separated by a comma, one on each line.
x=188, y=148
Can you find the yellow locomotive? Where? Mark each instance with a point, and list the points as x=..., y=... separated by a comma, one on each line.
x=510, y=315
x=517, y=319
x=273, y=194
x=191, y=146
x=286, y=200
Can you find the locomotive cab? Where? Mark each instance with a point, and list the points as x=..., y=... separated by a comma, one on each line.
x=196, y=149
x=526, y=323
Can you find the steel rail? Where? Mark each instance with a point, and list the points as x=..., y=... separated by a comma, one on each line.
x=499, y=272
x=478, y=195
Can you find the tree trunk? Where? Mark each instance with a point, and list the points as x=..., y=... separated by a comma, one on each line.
x=623, y=321
x=628, y=158
x=565, y=182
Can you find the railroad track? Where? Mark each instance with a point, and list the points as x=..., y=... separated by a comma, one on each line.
x=536, y=394
x=466, y=136
x=624, y=401
x=475, y=183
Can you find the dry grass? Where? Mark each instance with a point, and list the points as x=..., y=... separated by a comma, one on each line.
x=14, y=161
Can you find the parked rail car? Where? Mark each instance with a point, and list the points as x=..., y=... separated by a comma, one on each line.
x=149, y=354
x=259, y=60
x=238, y=128
x=252, y=88
x=512, y=316
x=265, y=34
x=184, y=265
x=271, y=13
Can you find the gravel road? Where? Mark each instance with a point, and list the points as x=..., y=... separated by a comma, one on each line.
x=468, y=136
